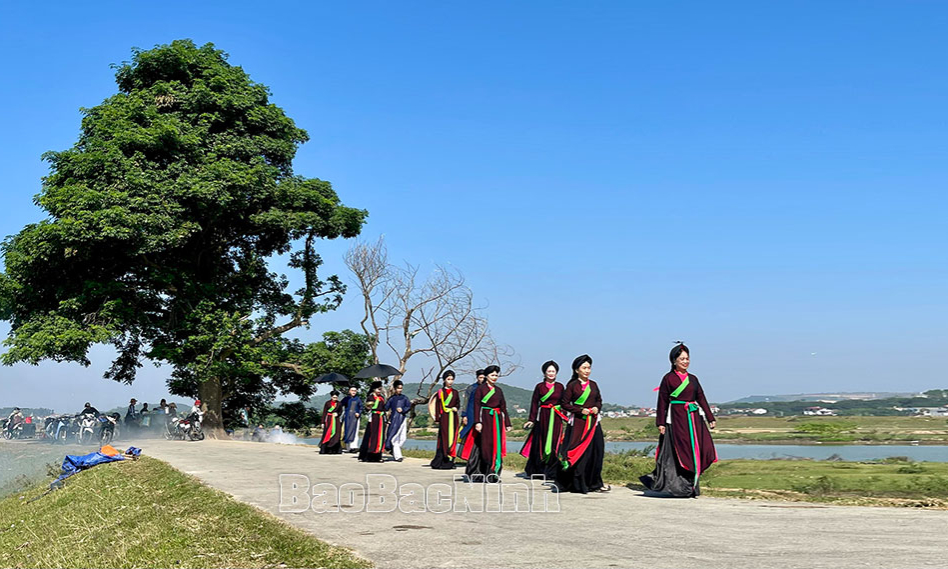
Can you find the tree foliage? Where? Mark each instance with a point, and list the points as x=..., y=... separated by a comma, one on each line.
x=163, y=220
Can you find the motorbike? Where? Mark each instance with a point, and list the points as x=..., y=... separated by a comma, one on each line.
x=107, y=428
x=58, y=428
x=14, y=432
x=86, y=428
x=187, y=428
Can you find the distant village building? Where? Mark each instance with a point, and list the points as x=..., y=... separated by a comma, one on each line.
x=927, y=411
x=820, y=412
x=758, y=411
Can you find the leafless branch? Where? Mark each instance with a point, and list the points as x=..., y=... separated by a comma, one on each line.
x=435, y=317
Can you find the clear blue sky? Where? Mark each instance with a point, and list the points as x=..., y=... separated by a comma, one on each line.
x=762, y=180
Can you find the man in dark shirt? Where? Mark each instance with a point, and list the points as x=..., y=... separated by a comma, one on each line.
x=89, y=410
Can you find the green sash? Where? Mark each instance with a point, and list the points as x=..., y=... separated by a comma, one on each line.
x=488, y=396
x=681, y=387
x=582, y=398
x=548, y=393
x=548, y=447
x=690, y=408
x=446, y=402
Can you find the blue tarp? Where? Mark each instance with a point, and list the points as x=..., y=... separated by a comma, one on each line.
x=73, y=464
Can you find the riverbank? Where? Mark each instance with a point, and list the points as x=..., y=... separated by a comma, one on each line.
x=145, y=513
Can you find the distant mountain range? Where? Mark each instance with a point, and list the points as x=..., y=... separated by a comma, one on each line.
x=826, y=397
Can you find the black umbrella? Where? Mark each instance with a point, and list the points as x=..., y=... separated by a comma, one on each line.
x=378, y=370
x=332, y=378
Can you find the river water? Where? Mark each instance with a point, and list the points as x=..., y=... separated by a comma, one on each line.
x=853, y=453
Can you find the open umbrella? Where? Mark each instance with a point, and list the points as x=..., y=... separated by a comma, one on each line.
x=378, y=370
x=332, y=378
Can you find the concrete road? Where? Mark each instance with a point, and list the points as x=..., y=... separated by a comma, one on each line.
x=619, y=529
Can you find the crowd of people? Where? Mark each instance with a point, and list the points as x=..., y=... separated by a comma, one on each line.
x=565, y=445
x=159, y=420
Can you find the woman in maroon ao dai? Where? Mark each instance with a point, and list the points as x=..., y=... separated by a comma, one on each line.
x=583, y=447
x=493, y=422
x=332, y=427
x=685, y=448
x=546, y=423
x=374, y=441
x=445, y=404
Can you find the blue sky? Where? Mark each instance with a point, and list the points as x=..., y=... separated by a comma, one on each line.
x=764, y=181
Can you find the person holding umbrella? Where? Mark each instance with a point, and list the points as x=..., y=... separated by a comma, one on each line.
x=374, y=440
x=351, y=409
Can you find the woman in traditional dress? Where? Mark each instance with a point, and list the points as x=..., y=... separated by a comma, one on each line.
x=583, y=446
x=470, y=439
x=373, y=441
x=546, y=422
x=331, y=442
x=685, y=448
x=493, y=422
x=444, y=408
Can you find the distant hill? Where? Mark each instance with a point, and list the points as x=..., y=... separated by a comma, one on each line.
x=865, y=403
x=27, y=411
x=826, y=397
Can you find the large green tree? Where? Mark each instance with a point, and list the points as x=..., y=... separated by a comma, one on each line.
x=163, y=221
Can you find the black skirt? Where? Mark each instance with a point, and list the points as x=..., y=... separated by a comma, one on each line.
x=365, y=455
x=442, y=461
x=586, y=475
x=669, y=477
x=477, y=468
x=535, y=465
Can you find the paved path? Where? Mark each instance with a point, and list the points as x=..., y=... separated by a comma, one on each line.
x=620, y=529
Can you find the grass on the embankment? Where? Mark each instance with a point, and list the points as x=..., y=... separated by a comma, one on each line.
x=892, y=482
x=146, y=514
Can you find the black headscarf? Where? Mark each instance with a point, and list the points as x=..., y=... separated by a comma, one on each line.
x=397, y=383
x=578, y=362
x=491, y=369
x=676, y=351
x=548, y=364
x=447, y=374
x=334, y=392
x=375, y=385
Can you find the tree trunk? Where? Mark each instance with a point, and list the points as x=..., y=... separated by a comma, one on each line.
x=210, y=394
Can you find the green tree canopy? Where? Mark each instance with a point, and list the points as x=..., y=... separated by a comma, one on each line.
x=163, y=220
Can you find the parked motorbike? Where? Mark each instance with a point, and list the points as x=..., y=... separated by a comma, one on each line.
x=107, y=427
x=184, y=429
x=86, y=432
x=58, y=428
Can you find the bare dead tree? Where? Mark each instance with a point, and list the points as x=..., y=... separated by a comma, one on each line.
x=434, y=318
x=369, y=264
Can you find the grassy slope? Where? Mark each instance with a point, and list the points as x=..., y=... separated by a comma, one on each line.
x=145, y=513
